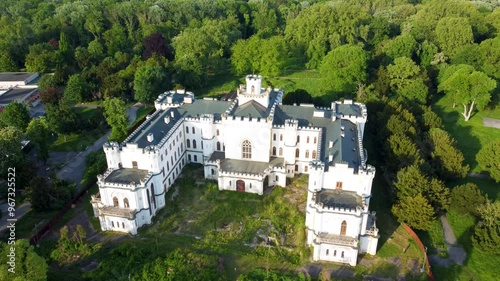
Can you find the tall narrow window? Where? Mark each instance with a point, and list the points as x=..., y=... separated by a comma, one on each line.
x=307, y=153
x=274, y=150
x=314, y=154
x=342, y=255
x=218, y=146
x=187, y=129
x=134, y=164
x=123, y=225
x=188, y=143
x=192, y=130
x=281, y=137
x=297, y=153
x=296, y=168
x=246, y=148
x=189, y=157
x=115, y=202
x=338, y=185
x=194, y=144
x=281, y=151
x=298, y=139
x=306, y=169
x=213, y=172
x=274, y=137
x=217, y=131
x=307, y=140
x=327, y=252
x=315, y=140
x=335, y=253
x=195, y=158
x=343, y=228
x=112, y=224
x=125, y=203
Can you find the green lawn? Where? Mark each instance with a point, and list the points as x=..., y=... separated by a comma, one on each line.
x=471, y=136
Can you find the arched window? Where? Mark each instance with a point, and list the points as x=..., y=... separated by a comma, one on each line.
x=307, y=139
x=297, y=153
x=274, y=150
x=188, y=143
x=343, y=228
x=125, y=203
x=298, y=139
x=194, y=144
x=281, y=151
x=217, y=131
x=314, y=154
x=115, y=202
x=315, y=140
x=342, y=255
x=281, y=137
x=246, y=150
x=187, y=130
x=274, y=137
x=335, y=253
x=306, y=168
x=134, y=164
x=327, y=252
x=213, y=172
x=307, y=153
x=112, y=224
x=218, y=146
x=192, y=130
x=123, y=225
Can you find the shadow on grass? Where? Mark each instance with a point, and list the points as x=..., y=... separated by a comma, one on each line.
x=466, y=141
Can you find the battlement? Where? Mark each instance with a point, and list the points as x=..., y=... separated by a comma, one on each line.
x=111, y=145
x=173, y=99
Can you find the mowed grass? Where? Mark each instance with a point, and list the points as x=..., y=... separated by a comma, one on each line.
x=471, y=136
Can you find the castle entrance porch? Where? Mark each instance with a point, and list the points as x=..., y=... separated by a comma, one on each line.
x=240, y=186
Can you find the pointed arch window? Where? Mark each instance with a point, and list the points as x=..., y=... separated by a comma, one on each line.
x=297, y=153
x=217, y=131
x=194, y=144
x=115, y=201
x=307, y=153
x=246, y=149
x=314, y=154
x=327, y=252
x=218, y=146
x=188, y=143
x=125, y=203
x=335, y=253
x=315, y=139
x=274, y=150
x=342, y=255
x=343, y=228
x=281, y=151
x=192, y=130
x=187, y=130
x=298, y=139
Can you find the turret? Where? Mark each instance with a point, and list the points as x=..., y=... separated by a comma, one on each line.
x=112, y=151
x=253, y=84
x=207, y=120
x=316, y=171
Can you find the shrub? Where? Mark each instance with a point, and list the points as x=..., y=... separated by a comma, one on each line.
x=466, y=198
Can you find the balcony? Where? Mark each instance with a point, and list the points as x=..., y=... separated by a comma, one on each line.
x=341, y=240
x=117, y=212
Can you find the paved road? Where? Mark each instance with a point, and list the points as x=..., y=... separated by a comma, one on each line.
x=20, y=210
x=73, y=171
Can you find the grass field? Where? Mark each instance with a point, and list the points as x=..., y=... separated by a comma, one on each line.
x=471, y=136
x=81, y=140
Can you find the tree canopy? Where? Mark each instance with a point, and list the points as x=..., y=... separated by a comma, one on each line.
x=343, y=68
x=487, y=158
x=16, y=114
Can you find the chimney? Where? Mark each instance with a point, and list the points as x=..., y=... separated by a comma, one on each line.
x=166, y=119
x=150, y=137
x=172, y=114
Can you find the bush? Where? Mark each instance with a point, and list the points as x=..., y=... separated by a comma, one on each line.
x=95, y=164
x=487, y=232
x=466, y=198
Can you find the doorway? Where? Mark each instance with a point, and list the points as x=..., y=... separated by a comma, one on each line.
x=240, y=186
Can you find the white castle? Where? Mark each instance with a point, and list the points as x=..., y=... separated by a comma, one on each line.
x=248, y=145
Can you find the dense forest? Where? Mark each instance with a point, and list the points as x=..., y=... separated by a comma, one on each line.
x=397, y=56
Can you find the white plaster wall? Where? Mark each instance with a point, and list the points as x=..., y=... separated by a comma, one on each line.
x=368, y=244
x=327, y=252
x=330, y=222
x=229, y=183
x=258, y=133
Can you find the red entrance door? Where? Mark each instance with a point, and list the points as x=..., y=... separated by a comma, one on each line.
x=240, y=186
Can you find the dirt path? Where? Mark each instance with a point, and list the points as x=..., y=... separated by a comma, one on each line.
x=456, y=254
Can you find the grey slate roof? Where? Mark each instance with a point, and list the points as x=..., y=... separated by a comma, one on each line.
x=15, y=76
x=157, y=126
x=126, y=176
x=16, y=94
x=251, y=108
x=348, y=109
x=204, y=107
x=250, y=167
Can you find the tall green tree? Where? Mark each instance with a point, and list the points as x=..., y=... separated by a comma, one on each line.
x=116, y=116
x=149, y=82
x=16, y=114
x=10, y=150
x=414, y=211
x=469, y=87
x=487, y=158
x=76, y=90
x=402, y=46
x=39, y=133
x=343, y=68
x=452, y=33
x=487, y=231
x=466, y=198
x=408, y=80
x=490, y=52
x=41, y=58
x=29, y=266
x=447, y=160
